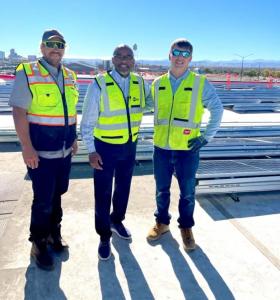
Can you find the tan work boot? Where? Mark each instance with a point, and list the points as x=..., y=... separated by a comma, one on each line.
x=188, y=239
x=157, y=231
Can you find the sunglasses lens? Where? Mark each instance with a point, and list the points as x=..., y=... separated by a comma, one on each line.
x=54, y=44
x=176, y=52
x=184, y=53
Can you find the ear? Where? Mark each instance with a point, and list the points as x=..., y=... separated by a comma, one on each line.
x=113, y=60
x=169, y=56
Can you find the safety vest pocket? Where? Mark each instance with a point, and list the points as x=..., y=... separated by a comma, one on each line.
x=47, y=97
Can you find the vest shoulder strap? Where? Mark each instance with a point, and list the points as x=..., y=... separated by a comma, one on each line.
x=28, y=68
x=19, y=67
x=69, y=73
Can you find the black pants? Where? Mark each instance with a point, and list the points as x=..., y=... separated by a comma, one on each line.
x=49, y=181
x=118, y=161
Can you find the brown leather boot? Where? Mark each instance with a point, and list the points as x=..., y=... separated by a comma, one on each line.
x=157, y=231
x=188, y=239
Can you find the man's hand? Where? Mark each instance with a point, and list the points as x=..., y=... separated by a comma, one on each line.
x=95, y=160
x=30, y=157
x=74, y=148
x=196, y=143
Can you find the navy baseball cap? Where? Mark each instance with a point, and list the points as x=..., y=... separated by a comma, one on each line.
x=51, y=33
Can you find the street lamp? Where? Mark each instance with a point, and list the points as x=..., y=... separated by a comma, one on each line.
x=242, y=61
x=135, y=47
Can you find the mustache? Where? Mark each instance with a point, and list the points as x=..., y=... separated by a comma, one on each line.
x=55, y=52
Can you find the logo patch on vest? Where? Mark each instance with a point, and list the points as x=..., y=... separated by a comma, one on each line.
x=186, y=131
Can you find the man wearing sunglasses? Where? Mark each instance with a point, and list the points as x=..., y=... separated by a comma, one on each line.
x=44, y=99
x=112, y=114
x=179, y=98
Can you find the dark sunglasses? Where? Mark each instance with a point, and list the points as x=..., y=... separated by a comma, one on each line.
x=54, y=44
x=184, y=53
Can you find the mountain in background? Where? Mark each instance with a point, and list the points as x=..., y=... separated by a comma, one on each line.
x=262, y=63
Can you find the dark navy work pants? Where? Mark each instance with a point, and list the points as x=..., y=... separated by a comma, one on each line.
x=118, y=163
x=49, y=181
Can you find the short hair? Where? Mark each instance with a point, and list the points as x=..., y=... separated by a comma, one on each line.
x=182, y=43
x=121, y=46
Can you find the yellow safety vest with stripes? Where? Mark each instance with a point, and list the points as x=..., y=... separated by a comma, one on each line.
x=177, y=117
x=52, y=115
x=119, y=118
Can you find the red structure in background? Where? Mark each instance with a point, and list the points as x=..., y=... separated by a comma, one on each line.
x=269, y=82
x=7, y=77
x=228, y=80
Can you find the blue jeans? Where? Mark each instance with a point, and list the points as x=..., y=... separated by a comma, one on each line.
x=185, y=164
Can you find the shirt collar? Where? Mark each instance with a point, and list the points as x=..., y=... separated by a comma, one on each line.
x=118, y=76
x=172, y=77
x=49, y=67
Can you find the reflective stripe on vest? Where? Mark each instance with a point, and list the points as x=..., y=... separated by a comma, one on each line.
x=190, y=123
x=50, y=121
x=46, y=108
x=55, y=154
x=38, y=75
x=112, y=125
x=177, y=117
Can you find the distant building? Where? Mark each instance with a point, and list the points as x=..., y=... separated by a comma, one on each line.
x=2, y=55
x=31, y=57
x=107, y=65
x=14, y=57
x=81, y=68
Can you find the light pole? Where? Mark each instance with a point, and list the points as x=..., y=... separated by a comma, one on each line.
x=242, y=61
x=135, y=47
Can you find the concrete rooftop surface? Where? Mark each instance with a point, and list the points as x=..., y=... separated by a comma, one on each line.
x=238, y=253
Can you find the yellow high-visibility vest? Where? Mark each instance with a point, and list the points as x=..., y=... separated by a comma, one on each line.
x=119, y=118
x=52, y=115
x=47, y=106
x=177, y=117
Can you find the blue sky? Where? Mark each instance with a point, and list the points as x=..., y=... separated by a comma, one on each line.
x=217, y=29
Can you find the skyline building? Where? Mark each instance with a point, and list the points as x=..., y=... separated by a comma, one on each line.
x=2, y=55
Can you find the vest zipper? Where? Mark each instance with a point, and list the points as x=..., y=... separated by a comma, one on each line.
x=127, y=109
x=167, y=142
x=65, y=109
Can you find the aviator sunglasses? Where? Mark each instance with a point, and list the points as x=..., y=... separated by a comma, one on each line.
x=54, y=44
x=184, y=53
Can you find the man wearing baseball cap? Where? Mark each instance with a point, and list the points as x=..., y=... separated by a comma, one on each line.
x=44, y=99
x=52, y=34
